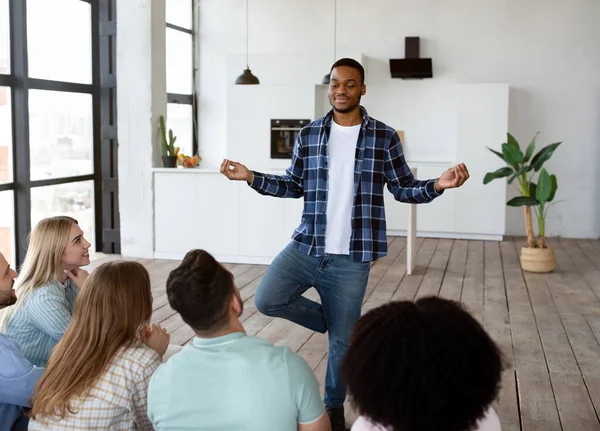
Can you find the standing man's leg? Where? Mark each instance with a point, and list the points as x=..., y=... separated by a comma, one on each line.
x=279, y=293
x=342, y=284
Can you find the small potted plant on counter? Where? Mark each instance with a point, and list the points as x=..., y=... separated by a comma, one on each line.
x=168, y=148
x=536, y=256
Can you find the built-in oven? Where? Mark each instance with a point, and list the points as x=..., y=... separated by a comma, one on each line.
x=283, y=137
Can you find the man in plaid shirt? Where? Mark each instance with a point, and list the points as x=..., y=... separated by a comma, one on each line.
x=340, y=166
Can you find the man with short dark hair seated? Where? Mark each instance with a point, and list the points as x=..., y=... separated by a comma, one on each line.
x=225, y=379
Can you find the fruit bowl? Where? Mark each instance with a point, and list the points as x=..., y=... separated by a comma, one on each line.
x=188, y=161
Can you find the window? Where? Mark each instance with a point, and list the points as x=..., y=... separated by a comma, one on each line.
x=60, y=134
x=181, y=112
x=179, y=62
x=53, y=114
x=72, y=199
x=179, y=13
x=59, y=40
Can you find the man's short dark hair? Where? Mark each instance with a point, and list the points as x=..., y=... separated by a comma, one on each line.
x=426, y=365
x=200, y=290
x=350, y=62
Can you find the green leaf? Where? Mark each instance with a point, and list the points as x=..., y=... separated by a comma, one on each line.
x=510, y=139
x=544, y=187
x=499, y=154
x=500, y=173
x=544, y=154
x=513, y=155
x=521, y=171
x=530, y=148
x=554, y=187
x=521, y=200
x=532, y=189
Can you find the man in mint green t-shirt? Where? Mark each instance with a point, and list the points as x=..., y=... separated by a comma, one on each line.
x=225, y=380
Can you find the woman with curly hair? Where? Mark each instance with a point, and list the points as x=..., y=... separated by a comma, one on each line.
x=422, y=366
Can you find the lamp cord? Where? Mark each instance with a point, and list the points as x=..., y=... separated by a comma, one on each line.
x=247, y=34
x=334, y=29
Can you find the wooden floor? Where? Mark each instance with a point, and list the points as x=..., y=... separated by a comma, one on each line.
x=548, y=326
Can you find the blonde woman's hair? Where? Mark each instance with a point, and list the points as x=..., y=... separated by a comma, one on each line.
x=43, y=261
x=114, y=302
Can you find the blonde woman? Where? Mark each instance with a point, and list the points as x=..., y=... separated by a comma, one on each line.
x=47, y=287
x=97, y=376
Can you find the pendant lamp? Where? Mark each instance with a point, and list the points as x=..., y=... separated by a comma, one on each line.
x=327, y=77
x=247, y=78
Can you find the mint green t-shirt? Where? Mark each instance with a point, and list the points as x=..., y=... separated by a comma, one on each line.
x=234, y=383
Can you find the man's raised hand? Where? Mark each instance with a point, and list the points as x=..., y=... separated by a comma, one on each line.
x=236, y=171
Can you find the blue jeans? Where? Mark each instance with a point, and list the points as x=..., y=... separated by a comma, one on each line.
x=21, y=423
x=341, y=284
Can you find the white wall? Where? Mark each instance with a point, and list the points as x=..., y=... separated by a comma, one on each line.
x=141, y=99
x=547, y=51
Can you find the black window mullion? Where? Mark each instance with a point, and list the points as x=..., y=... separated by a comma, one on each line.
x=195, y=124
x=7, y=187
x=6, y=81
x=178, y=28
x=182, y=99
x=96, y=113
x=20, y=124
x=107, y=202
x=71, y=87
x=60, y=180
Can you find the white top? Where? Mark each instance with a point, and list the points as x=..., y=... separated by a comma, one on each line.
x=117, y=401
x=340, y=197
x=489, y=422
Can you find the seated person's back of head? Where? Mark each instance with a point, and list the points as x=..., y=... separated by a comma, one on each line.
x=224, y=379
x=422, y=366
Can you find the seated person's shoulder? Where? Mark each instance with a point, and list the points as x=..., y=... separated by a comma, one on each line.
x=12, y=361
x=278, y=360
x=137, y=358
x=490, y=422
x=9, y=350
x=364, y=424
x=278, y=355
x=51, y=289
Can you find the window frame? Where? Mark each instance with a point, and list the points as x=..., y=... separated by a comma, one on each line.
x=188, y=99
x=103, y=93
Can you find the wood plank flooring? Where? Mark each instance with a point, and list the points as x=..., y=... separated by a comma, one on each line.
x=548, y=326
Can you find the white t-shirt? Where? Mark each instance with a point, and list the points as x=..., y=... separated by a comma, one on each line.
x=340, y=196
x=489, y=422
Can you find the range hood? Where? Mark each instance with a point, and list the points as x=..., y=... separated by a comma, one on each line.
x=412, y=66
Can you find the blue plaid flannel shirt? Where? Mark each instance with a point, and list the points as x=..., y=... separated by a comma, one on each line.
x=379, y=161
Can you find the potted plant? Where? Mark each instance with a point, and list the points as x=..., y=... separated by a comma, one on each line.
x=536, y=256
x=168, y=148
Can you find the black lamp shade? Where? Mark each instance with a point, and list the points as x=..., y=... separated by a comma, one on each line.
x=326, y=79
x=247, y=78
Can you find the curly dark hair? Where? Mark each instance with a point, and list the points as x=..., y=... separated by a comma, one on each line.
x=422, y=366
x=200, y=290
